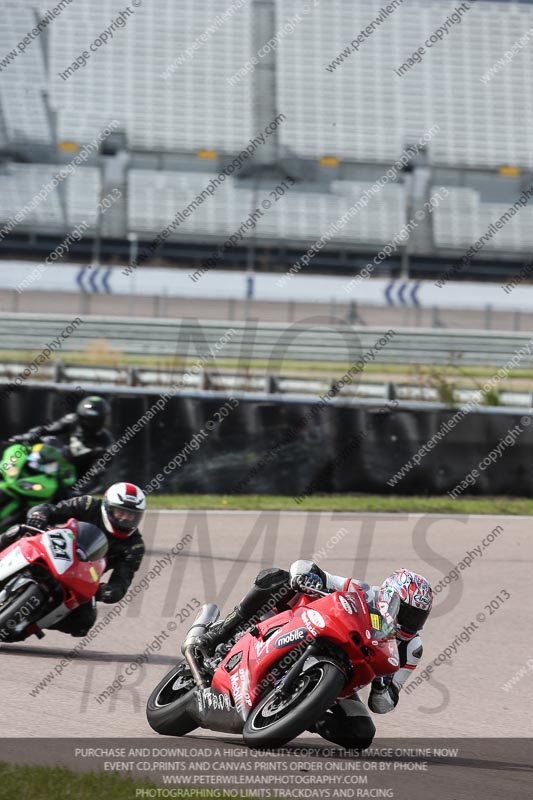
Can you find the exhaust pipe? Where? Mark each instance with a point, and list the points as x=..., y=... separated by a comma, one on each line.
x=206, y=616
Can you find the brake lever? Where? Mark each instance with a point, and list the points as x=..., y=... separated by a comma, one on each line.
x=317, y=592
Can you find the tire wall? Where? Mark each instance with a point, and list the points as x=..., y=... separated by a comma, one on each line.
x=269, y=444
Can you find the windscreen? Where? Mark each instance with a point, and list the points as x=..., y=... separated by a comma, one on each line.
x=383, y=613
x=92, y=541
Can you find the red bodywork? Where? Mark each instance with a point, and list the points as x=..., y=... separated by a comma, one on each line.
x=79, y=580
x=341, y=618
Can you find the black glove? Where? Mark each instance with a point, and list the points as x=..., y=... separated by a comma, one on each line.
x=383, y=696
x=100, y=592
x=24, y=438
x=307, y=583
x=37, y=520
x=107, y=594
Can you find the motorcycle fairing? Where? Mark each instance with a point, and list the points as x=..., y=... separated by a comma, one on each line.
x=13, y=561
x=60, y=548
x=339, y=618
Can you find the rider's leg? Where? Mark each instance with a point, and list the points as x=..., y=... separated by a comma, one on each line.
x=348, y=724
x=79, y=622
x=271, y=589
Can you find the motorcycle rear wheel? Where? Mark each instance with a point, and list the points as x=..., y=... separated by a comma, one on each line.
x=30, y=595
x=165, y=710
x=277, y=719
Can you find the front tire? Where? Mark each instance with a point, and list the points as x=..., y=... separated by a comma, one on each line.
x=30, y=598
x=165, y=710
x=276, y=720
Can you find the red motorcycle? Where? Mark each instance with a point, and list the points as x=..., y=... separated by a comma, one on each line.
x=45, y=576
x=280, y=677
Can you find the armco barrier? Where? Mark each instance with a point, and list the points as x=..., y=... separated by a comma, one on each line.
x=314, y=339
x=285, y=445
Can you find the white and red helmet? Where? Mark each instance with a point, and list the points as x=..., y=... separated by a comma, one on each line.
x=123, y=508
x=416, y=600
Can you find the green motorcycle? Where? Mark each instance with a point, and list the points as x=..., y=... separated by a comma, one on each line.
x=30, y=475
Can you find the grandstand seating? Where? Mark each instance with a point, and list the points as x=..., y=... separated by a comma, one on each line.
x=364, y=111
x=192, y=109
x=73, y=201
x=361, y=111
x=461, y=219
x=24, y=79
x=156, y=196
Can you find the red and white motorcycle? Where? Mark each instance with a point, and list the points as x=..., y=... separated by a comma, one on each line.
x=45, y=576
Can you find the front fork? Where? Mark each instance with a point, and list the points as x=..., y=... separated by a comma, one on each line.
x=312, y=654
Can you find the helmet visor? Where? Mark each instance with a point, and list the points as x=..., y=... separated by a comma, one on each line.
x=124, y=519
x=91, y=423
x=411, y=619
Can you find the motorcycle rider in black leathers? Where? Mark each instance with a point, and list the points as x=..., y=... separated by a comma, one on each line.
x=118, y=515
x=348, y=722
x=83, y=433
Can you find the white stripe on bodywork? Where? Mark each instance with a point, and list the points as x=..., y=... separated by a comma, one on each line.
x=12, y=562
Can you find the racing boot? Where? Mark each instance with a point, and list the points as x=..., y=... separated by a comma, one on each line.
x=220, y=631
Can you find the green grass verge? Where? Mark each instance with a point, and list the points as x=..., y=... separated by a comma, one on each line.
x=56, y=783
x=102, y=357
x=347, y=502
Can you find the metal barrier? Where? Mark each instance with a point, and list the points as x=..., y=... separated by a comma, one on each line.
x=256, y=380
x=249, y=341
x=296, y=445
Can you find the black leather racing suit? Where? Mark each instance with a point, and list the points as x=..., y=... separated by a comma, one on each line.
x=82, y=448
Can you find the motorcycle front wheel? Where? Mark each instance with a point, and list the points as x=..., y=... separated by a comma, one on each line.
x=26, y=605
x=165, y=710
x=279, y=718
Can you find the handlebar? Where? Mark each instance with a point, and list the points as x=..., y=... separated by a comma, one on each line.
x=319, y=593
x=31, y=528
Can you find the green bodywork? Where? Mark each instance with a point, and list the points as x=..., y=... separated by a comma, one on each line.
x=22, y=487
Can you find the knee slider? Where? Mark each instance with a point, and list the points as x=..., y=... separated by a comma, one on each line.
x=271, y=578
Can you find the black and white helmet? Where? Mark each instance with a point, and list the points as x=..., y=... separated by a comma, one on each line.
x=123, y=508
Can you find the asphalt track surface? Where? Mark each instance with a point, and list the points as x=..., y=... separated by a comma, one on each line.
x=464, y=697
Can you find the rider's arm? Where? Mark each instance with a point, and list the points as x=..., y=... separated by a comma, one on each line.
x=49, y=514
x=122, y=576
x=66, y=423
x=384, y=695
